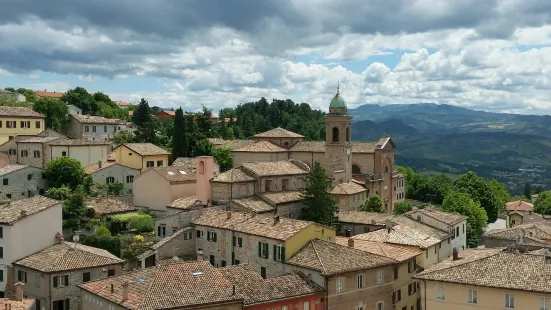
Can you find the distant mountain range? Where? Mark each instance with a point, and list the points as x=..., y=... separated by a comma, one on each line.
x=435, y=138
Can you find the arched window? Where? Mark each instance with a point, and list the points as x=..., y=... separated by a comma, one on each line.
x=335, y=135
x=386, y=169
x=347, y=134
x=356, y=169
x=201, y=167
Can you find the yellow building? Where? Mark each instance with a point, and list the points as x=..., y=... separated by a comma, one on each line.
x=488, y=279
x=141, y=156
x=19, y=121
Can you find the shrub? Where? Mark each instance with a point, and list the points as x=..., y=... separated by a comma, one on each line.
x=102, y=231
x=138, y=221
x=108, y=243
x=139, y=238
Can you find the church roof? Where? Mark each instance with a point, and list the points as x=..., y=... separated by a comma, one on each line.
x=278, y=133
x=319, y=147
x=261, y=147
x=349, y=188
x=337, y=102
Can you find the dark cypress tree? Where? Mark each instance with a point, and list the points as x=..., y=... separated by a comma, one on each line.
x=320, y=206
x=146, y=125
x=142, y=115
x=179, y=138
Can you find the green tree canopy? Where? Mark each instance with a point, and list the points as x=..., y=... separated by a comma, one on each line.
x=59, y=193
x=462, y=203
x=480, y=191
x=146, y=125
x=320, y=206
x=402, y=207
x=223, y=158
x=65, y=171
x=543, y=203
x=122, y=137
x=373, y=204
x=55, y=111
x=527, y=192
x=179, y=138
x=500, y=192
x=74, y=210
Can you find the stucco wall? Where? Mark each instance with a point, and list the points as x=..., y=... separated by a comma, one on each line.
x=118, y=172
x=227, y=191
x=276, y=184
x=86, y=154
x=19, y=184
x=30, y=159
x=6, y=133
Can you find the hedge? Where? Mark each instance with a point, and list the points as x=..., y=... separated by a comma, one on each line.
x=108, y=243
x=138, y=221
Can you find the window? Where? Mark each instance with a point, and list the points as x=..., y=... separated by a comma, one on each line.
x=473, y=297
x=61, y=280
x=544, y=303
x=200, y=234
x=237, y=242
x=463, y=228
x=36, y=154
x=24, y=153
x=279, y=253
x=1, y=275
x=412, y=288
x=440, y=293
x=212, y=260
x=159, y=163
x=411, y=265
x=85, y=277
x=457, y=231
x=110, y=180
x=380, y=305
x=188, y=235
x=161, y=231
x=396, y=296
x=380, y=277
x=63, y=153
x=306, y=305
x=509, y=301
x=360, y=280
x=1, y=252
x=25, y=124
x=22, y=276
x=340, y=285
x=61, y=304
x=1, y=233
x=236, y=262
x=11, y=124
x=93, y=128
x=285, y=184
x=129, y=179
x=284, y=308
x=5, y=181
x=12, y=152
x=223, y=263
x=8, y=196
x=263, y=272
x=150, y=164
x=114, y=128
x=110, y=272
x=212, y=236
x=395, y=273
x=41, y=191
x=267, y=185
x=335, y=135
x=263, y=250
x=86, y=128
x=104, y=128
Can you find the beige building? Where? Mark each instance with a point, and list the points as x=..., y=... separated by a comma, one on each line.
x=455, y=224
x=110, y=172
x=55, y=272
x=21, y=181
x=141, y=156
x=488, y=279
x=90, y=127
x=11, y=149
x=176, y=285
x=32, y=222
x=371, y=164
x=353, y=279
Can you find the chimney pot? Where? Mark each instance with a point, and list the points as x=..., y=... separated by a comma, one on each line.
x=228, y=215
x=19, y=291
x=351, y=242
x=125, y=291
x=276, y=220
x=200, y=256
x=104, y=274
x=58, y=238
x=455, y=254
x=99, y=163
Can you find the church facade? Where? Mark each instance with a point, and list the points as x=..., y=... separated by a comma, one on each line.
x=358, y=169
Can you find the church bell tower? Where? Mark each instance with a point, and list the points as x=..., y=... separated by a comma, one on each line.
x=338, y=148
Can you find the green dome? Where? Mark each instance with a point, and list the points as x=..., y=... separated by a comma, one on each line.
x=337, y=102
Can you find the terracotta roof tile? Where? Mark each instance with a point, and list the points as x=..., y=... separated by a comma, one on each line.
x=68, y=256
x=233, y=175
x=278, y=133
x=363, y=147
x=232, y=144
x=91, y=119
x=394, y=252
x=330, y=258
x=174, y=285
x=283, y=197
x=253, y=204
x=49, y=94
x=259, y=225
x=146, y=149
x=184, y=203
x=274, y=168
x=309, y=146
x=19, y=209
x=122, y=103
x=96, y=167
x=173, y=174
x=39, y=139
x=444, y=217
x=525, y=272
x=262, y=147
x=533, y=234
x=19, y=112
x=25, y=304
x=108, y=205
x=348, y=188
x=519, y=205
x=367, y=218
x=77, y=142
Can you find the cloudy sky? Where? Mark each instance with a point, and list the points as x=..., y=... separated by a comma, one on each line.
x=492, y=55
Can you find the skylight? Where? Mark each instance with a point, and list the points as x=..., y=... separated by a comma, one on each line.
x=170, y=173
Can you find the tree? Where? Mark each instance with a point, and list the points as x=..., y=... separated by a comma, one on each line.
x=29, y=94
x=145, y=123
x=402, y=207
x=64, y=171
x=102, y=231
x=480, y=191
x=80, y=98
x=179, y=138
x=462, y=203
x=55, y=111
x=527, y=192
x=59, y=193
x=74, y=210
x=203, y=147
x=123, y=136
x=223, y=158
x=439, y=186
x=320, y=206
x=500, y=192
x=373, y=204
x=543, y=203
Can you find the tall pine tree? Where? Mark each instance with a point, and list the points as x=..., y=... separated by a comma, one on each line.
x=179, y=137
x=320, y=206
x=146, y=125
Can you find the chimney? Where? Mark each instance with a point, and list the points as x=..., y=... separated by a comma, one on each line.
x=204, y=174
x=455, y=254
x=19, y=291
x=200, y=256
x=22, y=214
x=233, y=292
x=124, y=292
x=228, y=215
x=58, y=238
x=350, y=242
x=276, y=220
x=112, y=288
x=99, y=163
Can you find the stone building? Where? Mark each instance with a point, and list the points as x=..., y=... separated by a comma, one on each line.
x=105, y=207
x=531, y=236
x=90, y=127
x=456, y=224
x=370, y=164
x=110, y=172
x=21, y=181
x=55, y=273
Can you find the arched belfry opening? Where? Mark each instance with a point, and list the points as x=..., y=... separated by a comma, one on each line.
x=335, y=135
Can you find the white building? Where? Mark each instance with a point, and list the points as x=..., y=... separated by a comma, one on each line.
x=27, y=226
x=90, y=127
x=456, y=224
x=74, y=110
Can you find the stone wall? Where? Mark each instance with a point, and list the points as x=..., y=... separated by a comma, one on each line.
x=118, y=172
x=178, y=246
x=30, y=159
x=239, y=158
x=19, y=184
x=227, y=191
x=276, y=184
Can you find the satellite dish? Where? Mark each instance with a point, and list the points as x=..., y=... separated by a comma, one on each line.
x=76, y=238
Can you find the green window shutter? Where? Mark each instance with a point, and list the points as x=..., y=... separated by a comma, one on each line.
x=234, y=240
x=283, y=254
x=274, y=254
x=259, y=249
x=215, y=235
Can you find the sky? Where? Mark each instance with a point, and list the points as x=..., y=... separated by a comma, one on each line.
x=491, y=55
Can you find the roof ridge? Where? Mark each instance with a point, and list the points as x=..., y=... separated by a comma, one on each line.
x=317, y=256
x=463, y=264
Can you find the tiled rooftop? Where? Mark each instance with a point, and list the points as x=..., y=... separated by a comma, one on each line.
x=91, y=119
x=519, y=205
x=49, y=94
x=283, y=197
x=533, y=234
x=261, y=147
x=256, y=290
x=274, y=168
x=170, y=286
x=11, y=168
x=77, y=142
x=348, y=188
x=68, y=256
x=25, y=304
x=319, y=147
x=173, y=174
x=363, y=147
x=19, y=112
x=391, y=251
x=38, y=139
x=96, y=167
x=184, y=203
x=444, y=217
x=233, y=175
x=232, y=144
x=259, y=225
x=330, y=258
x=106, y=205
x=278, y=133
x=19, y=209
x=367, y=218
x=253, y=204
x=497, y=269
x=146, y=149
